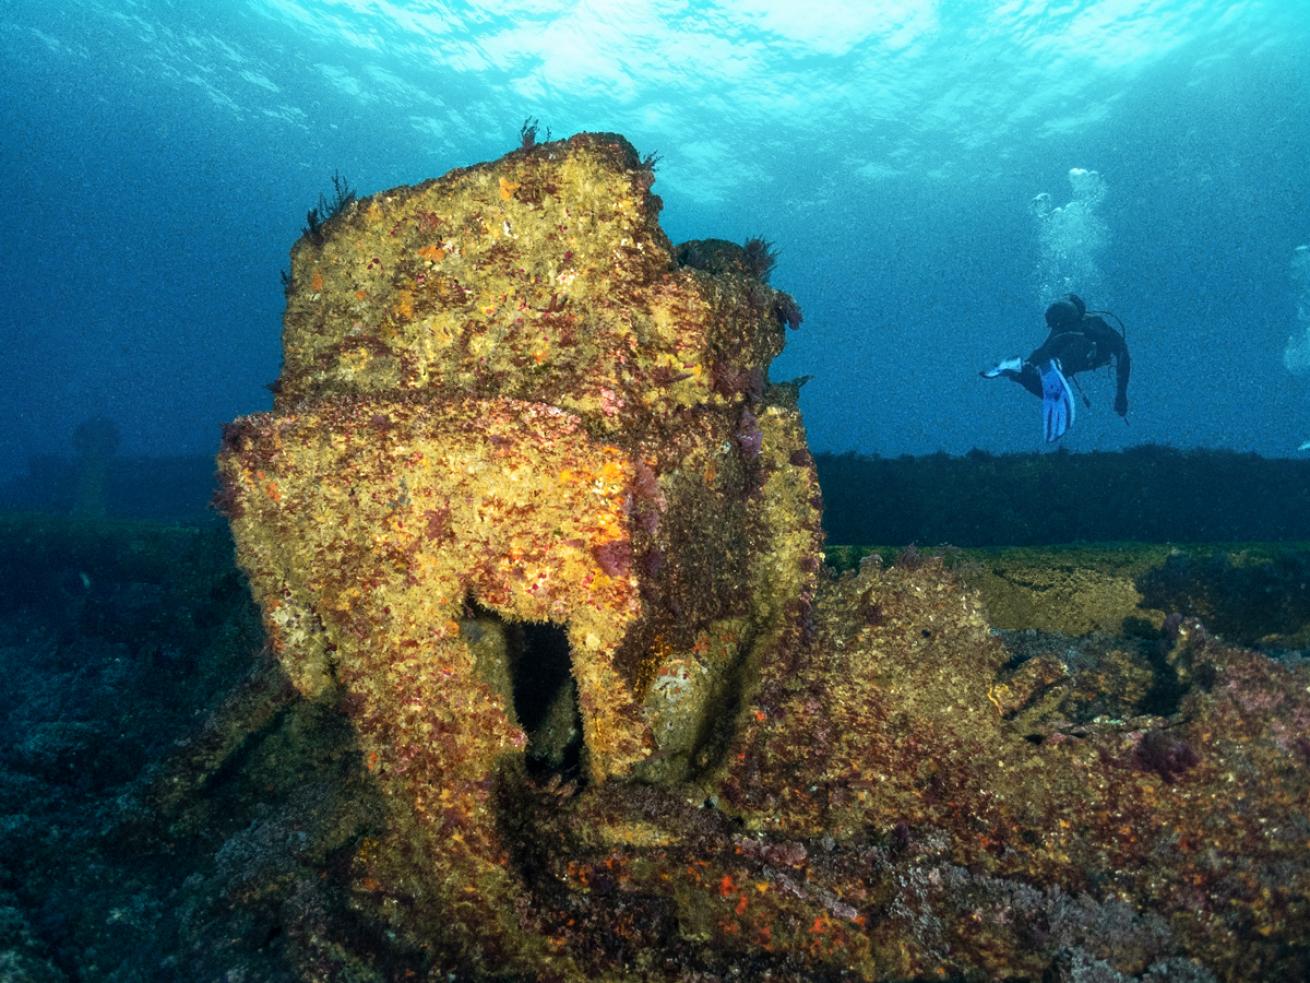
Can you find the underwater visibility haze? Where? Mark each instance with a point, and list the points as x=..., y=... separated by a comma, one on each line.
x=533, y=634
x=931, y=174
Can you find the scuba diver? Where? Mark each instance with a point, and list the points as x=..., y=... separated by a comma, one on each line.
x=1078, y=342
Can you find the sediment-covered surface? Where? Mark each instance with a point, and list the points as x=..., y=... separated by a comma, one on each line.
x=1024, y=802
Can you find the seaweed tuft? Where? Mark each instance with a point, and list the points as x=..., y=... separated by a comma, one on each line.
x=343, y=195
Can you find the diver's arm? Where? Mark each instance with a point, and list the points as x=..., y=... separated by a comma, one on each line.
x=1123, y=366
x=1111, y=344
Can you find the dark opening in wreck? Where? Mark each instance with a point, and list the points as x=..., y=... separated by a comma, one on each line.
x=533, y=658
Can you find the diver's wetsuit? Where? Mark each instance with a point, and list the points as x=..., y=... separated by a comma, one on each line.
x=1080, y=345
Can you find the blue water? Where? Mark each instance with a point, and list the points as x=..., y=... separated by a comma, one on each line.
x=158, y=159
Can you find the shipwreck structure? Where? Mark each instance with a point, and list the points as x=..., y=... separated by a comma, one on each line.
x=530, y=516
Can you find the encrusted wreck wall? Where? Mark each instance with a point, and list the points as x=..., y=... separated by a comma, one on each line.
x=530, y=516
x=505, y=402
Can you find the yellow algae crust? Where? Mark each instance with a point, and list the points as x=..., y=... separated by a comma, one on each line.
x=505, y=412
x=542, y=276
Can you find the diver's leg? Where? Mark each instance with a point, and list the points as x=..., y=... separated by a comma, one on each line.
x=1018, y=370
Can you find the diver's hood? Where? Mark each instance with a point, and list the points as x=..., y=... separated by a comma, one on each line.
x=1065, y=312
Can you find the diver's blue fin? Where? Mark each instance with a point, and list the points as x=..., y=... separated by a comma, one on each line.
x=1057, y=401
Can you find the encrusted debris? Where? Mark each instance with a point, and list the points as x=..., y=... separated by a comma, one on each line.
x=529, y=514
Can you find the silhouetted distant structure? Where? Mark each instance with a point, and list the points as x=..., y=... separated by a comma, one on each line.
x=1147, y=493
x=96, y=441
